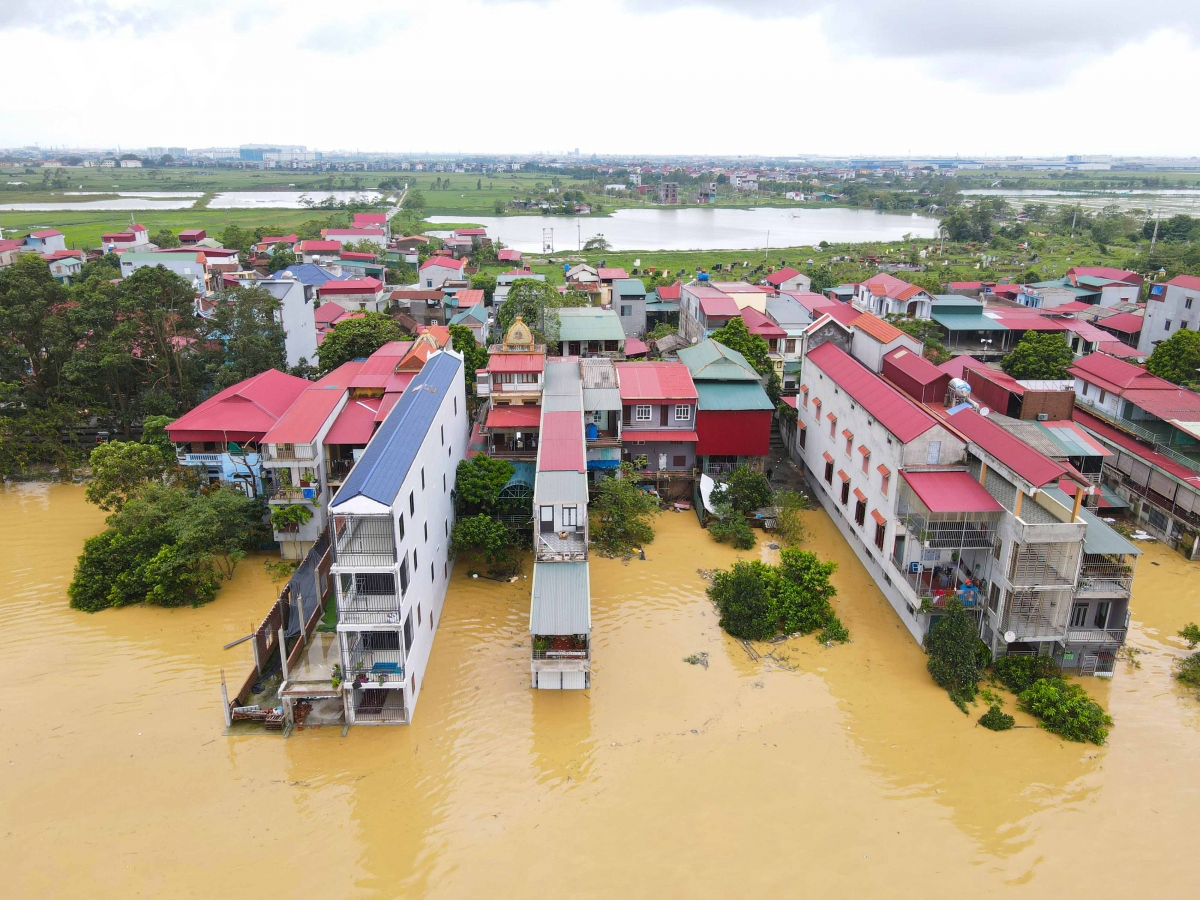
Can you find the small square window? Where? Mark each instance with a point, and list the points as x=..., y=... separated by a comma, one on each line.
x=683, y=413
x=641, y=413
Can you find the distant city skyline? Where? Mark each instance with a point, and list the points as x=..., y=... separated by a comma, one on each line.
x=657, y=77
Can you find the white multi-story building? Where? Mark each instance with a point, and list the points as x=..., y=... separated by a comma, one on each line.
x=296, y=315
x=1171, y=307
x=886, y=295
x=390, y=530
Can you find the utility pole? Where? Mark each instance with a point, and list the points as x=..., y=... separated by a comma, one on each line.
x=1074, y=216
x=1154, y=237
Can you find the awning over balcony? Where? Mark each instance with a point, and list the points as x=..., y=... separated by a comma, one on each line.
x=951, y=492
x=528, y=417
x=561, y=601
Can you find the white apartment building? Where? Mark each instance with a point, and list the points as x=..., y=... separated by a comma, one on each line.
x=390, y=530
x=1171, y=307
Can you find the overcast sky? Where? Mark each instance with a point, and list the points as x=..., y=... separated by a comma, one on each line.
x=770, y=77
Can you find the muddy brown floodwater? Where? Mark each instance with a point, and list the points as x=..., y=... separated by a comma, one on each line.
x=808, y=769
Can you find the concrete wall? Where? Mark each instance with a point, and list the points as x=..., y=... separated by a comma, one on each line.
x=1174, y=308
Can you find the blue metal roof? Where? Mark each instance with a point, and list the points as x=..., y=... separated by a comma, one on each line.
x=384, y=465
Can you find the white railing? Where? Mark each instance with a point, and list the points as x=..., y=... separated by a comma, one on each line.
x=197, y=459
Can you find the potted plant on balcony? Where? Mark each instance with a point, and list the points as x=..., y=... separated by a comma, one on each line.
x=336, y=681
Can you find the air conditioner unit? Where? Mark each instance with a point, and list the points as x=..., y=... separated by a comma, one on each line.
x=1043, y=417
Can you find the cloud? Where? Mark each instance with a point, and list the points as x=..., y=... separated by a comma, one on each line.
x=1017, y=43
x=353, y=37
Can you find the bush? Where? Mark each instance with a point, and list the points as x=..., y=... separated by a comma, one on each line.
x=757, y=601
x=1066, y=710
x=622, y=514
x=996, y=719
x=1187, y=670
x=957, y=657
x=746, y=490
x=729, y=527
x=1018, y=673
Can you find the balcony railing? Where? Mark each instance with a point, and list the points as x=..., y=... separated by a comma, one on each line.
x=561, y=654
x=290, y=453
x=382, y=706
x=360, y=608
x=200, y=459
x=1133, y=428
x=338, y=469
x=1113, y=637
x=376, y=666
x=552, y=548
x=1117, y=586
x=364, y=541
x=295, y=492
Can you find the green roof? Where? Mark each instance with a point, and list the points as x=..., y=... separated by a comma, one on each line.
x=965, y=321
x=661, y=305
x=589, y=323
x=476, y=312
x=711, y=361
x=629, y=287
x=732, y=395
x=1099, y=538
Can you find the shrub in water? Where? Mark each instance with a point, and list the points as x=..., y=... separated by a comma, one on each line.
x=996, y=719
x=1066, y=710
x=1018, y=673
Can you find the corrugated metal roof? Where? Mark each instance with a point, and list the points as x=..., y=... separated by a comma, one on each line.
x=1072, y=439
x=561, y=601
x=598, y=372
x=1031, y=465
x=560, y=487
x=589, y=323
x=965, y=321
x=711, y=361
x=629, y=287
x=951, y=492
x=655, y=381
x=560, y=445
x=732, y=395
x=1098, y=538
x=386, y=461
x=601, y=399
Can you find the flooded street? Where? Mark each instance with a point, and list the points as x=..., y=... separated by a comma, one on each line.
x=842, y=769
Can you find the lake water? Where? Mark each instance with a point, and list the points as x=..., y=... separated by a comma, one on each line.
x=284, y=199
x=134, y=202
x=704, y=228
x=806, y=772
x=1165, y=202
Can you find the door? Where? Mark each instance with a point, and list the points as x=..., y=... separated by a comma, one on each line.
x=662, y=415
x=572, y=348
x=546, y=518
x=549, y=681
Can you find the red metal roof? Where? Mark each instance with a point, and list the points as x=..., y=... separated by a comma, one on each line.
x=1073, y=307
x=389, y=400
x=1031, y=465
x=882, y=331
x=842, y=312
x=894, y=411
x=514, y=417
x=48, y=232
x=469, y=297
x=352, y=286
x=1026, y=320
x=718, y=305
x=756, y=323
x=243, y=411
x=352, y=232
x=669, y=291
x=610, y=274
x=328, y=313
x=446, y=262
x=1123, y=351
x=1086, y=330
x=1177, y=405
x=1105, y=272
x=507, y=255
x=790, y=400
x=664, y=435
x=560, y=444
x=355, y=424
x=304, y=418
x=914, y=366
x=655, y=381
x=517, y=362
x=949, y=492
x=884, y=285
x=1126, y=323
x=1191, y=282
x=318, y=246
x=634, y=347
x=355, y=255
x=814, y=303
x=778, y=278
x=368, y=220
x=1116, y=375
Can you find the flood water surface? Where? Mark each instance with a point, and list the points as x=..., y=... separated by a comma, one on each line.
x=784, y=767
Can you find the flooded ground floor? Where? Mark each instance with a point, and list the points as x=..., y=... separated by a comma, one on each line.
x=788, y=767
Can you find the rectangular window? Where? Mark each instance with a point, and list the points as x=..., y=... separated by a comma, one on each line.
x=829, y=472
x=860, y=513
x=880, y=534
x=444, y=488
x=866, y=461
x=679, y=462
x=400, y=525
x=883, y=484
x=626, y=310
x=803, y=436
x=1103, y=397
x=845, y=492
x=1079, y=615
x=849, y=444
x=790, y=347
x=1101, y=620
x=994, y=597
x=419, y=622
x=427, y=532
x=1187, y=303
x=570, y=516
x=414, y=562
x=832, y=424
x=412, y=503
x=408, y=634
x=933, y=453
x=422, y=478
x=683, y=413
x=641, y=413
x=804, y=396
x=1167, y=325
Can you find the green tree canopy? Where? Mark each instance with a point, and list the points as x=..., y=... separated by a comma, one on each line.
x=120, y=469
x=1040, y=354
x=483, y=534
x=736, y=336
x=486, y=283
x=1177, y=359
x=165, y=238
x=357, y=338
x=758, y=601
x=479, y=481
x=622, y=514
x=957, y=657
x=474, y=356
x=531, y=300
x=745, y=490
x=246, y=320
x=281, y=257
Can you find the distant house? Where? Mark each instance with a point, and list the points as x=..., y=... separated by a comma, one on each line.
x=437, y=270
x=886, y=295
x=658, y=415
x=9, y=251
x=411, y=242
x=366, y=294
x=355, y=236
x=1170, y=307
x=629, y=300
x=192, y=236
x=476, y=318
x=703, y=309
x=371, y=220
x=46, y=241
x=190, y=266
x=64, y=264
x=318, y=251
x=788, y=279
x=296, y=315
x=134, y=238
x=668, y=192
x=269, y=244
x=589, y=331
x=508, y=256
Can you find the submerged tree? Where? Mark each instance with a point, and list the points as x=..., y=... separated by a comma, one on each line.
x=957, y=657
x=622, y=514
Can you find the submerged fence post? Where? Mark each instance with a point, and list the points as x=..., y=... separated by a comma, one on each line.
x=225, y=701
x=283, y=652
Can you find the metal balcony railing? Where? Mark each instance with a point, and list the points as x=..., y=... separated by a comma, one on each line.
x=382, y=706
x=338, y=469
x=376, y=666
x=364, y=541
x=361, y=608
x=561, y=654
x=298, y=493
x=1114, y=637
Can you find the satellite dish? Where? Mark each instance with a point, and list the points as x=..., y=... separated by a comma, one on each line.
x=983, y=411
x=1009, y=637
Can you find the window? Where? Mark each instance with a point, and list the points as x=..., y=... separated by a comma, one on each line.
x=444, y=488
x=994, y=597
x=1167, y=325
x=400, y=525
x=860, y=513
x=432, y=577
x=427, y=532
x=408, y=634
x=641, y=413
x=845, y=492
x=849, y=444
x=1102, y=608
x=626, y=310
x=679, y=462
x=1103, y=396
x=832, y=424
x=570, y=515
x=866, y=458
x=884, y=481
x=447, y=528
x=804, y=396
x=790, y=346
x=456, y=406
x=1187, y=303
x=683, y=413
x=419, y=615
x=412, y=503
x=803, y=435
x=933, y=453
x=880, y=534
x=996, y=549
x=1079, y=615
x=422, y=478
x=443, y=429
x=414, y=562
x=829, y=472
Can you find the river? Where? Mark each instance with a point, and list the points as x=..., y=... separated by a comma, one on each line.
x=836, y=772
x=145, y=200
x=704, y=228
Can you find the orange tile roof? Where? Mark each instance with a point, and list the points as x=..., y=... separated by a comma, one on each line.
x=882, y=331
